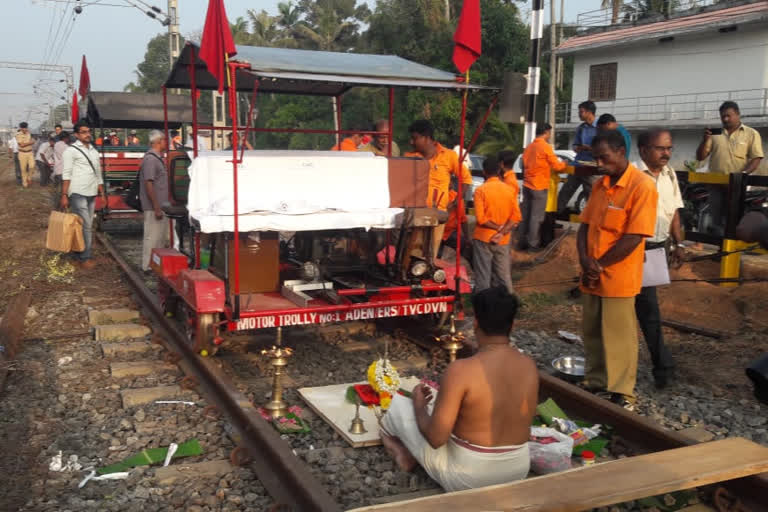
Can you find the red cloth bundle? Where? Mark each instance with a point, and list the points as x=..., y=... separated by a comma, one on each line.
x=368, y=396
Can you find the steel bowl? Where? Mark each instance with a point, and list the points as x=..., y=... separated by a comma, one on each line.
x=570, y=367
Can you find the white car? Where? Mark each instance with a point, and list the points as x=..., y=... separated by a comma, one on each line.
x=577, y=202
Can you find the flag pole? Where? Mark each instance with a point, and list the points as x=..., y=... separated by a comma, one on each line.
x=459, y=199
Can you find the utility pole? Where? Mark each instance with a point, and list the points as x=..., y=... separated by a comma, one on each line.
x=534, y=71
x=174, y=39
x=552, y=68
x=560, y=70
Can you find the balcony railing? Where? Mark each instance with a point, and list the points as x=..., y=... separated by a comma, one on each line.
x=632, y=12
x=673, y=107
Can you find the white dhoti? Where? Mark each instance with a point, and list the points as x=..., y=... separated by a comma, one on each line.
x=457, y=465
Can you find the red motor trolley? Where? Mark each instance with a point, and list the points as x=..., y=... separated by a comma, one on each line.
x=281, y=237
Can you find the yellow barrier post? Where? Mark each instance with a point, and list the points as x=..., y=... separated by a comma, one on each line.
x=730, y=265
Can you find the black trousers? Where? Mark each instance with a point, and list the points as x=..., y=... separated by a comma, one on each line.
x=17, y=167
x=649, y=318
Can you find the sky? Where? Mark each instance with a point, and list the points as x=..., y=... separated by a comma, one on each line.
x=113, y=36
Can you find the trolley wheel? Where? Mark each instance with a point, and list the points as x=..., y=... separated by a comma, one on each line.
x=168, y=299
x=201, y=330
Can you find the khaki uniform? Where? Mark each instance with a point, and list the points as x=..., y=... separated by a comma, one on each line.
x=732, y=152
x=609, y=324
x=26, y=157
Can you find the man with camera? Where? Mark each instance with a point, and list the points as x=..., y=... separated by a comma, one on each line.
x=733, y=148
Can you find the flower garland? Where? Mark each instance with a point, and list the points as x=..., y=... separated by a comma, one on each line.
x=384, y=379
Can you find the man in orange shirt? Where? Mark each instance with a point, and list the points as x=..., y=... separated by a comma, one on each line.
x=620, y=214
x=497, y=214
x=443, y=163
x=507, y=170
x=351, y=143
x=538, y=163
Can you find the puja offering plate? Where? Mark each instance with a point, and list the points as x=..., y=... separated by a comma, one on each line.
x=570, y=367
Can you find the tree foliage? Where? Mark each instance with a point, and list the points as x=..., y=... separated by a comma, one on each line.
x=153, y=70
x=418, y=30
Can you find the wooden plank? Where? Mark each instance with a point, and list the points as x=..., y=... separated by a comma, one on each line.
x=638, y=429
x=608, y=483
x=331, y=415
x=329, y=402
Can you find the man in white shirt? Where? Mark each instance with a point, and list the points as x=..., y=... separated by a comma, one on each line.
x=44, y=159
x=13, y=150
x=58, y=161
x=82, y=180
x=655, y=151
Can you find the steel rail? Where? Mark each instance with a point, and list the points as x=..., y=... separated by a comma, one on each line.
x=289, y=481
x=283, y=475
x=642, y=432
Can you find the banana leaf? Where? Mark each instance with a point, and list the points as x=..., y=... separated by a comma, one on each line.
x=548, y=410
x=151, y=456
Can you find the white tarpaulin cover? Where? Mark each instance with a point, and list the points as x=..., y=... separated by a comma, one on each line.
x=384, y=218
x=291, y=191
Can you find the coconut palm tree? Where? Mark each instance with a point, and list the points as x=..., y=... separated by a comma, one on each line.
x=328, y=32
x=615, y=6
x=239, y=30
x=500, y=136
x=266, y=31
x=288, y=15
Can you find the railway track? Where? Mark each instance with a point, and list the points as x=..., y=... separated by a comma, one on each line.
x=294, y=483
x=285, y=478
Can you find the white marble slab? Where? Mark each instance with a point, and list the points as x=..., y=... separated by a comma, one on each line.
x=329, y=402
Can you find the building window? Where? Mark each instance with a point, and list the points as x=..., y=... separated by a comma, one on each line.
x=602, y=82
x=219, y=108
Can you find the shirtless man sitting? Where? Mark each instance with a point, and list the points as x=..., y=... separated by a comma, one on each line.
x=475, y=433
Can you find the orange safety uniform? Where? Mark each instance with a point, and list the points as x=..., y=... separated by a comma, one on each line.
x=347, y=144
x=496, y=202
x=628, y=207
x=442, y=165
x=510, y=178
x=451, y=224
x=539, y=161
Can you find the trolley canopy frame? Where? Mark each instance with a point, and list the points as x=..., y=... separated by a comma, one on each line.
x=314, y=73
x=310, y=73
x=134, y=110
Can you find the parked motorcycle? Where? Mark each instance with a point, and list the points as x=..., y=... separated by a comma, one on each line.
x=697, y=213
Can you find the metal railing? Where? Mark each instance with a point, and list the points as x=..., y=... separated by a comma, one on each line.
x=672, y=107
x=635, y=11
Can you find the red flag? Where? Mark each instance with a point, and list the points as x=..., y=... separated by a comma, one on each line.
x=75, y=111
x=85, y=79
x=217, y=45
x=468, y=36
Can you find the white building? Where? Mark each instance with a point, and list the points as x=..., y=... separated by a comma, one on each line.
x=673, y=72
